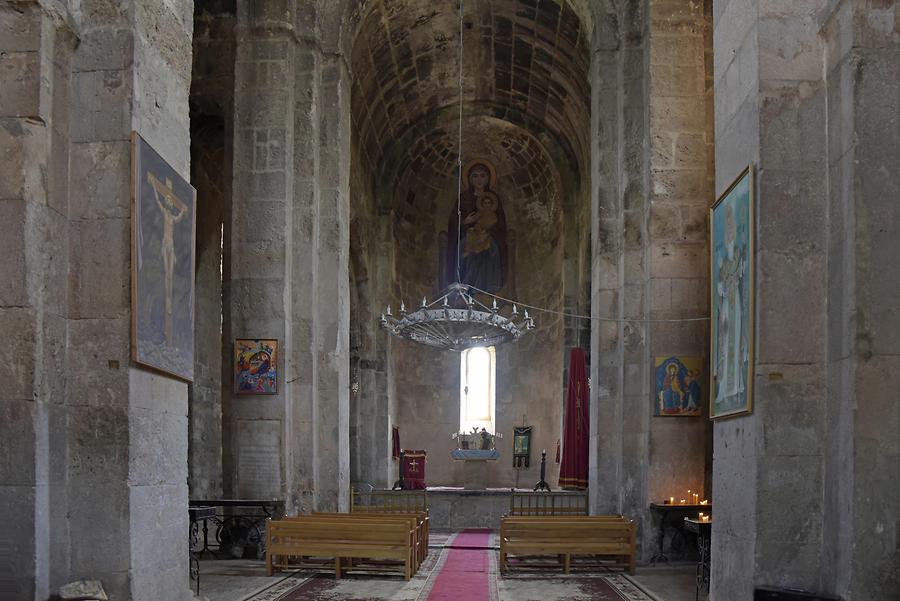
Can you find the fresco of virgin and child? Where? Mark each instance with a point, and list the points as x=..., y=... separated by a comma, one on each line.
x=482, y=238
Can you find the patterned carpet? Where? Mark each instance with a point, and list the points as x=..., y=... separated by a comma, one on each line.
x=525, y=586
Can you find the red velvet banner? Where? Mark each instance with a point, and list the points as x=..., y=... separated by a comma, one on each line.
x=573, y=471
x=414, y=470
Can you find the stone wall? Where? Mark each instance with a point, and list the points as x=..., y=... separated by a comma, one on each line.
x=681, y=190
x=211, y=101
x=36, y=54
x=103, y=441
x=862, y=469
x=805, y=489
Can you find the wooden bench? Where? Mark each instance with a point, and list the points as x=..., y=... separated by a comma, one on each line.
x=612, y=537
x=341, y=538
x=392, y=502
x=415, y=520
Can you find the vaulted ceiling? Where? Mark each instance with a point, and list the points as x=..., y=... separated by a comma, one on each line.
x=525, y=62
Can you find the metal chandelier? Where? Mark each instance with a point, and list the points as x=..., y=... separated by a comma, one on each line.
x=456, y=320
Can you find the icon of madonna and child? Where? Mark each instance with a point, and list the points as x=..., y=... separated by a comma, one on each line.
x=482, y=235
x=678, y=386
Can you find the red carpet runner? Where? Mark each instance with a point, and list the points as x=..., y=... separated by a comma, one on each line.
x=465, y=572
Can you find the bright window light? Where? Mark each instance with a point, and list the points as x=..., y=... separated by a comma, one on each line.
x=477, y=389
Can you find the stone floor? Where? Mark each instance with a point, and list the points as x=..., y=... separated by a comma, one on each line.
x=240, y=580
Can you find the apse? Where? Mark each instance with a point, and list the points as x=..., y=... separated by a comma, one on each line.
x=525, y=120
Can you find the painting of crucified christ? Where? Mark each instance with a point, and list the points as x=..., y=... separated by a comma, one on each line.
x=163, y=222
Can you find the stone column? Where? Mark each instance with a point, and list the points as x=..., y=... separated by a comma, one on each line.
x=862, y=464
x=100, y=485
x=36, y=46
x=806, y=486
x=257, y=277
x=619, y=213
x=127, y=425
x=287, y=248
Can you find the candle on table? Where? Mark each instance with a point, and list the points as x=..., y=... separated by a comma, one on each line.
x=683, y=501
x=671, y=500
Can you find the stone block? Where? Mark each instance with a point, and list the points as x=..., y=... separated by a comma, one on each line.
x=730, y=577
x=791, y=117
x=19, y=541
x=157, y=392
x=98, y=445
x=158, y=448
x=99, y=358
x=18, y=354
x=689, y=296
x=690, y=151
x=789, y=46
x=58, y=185
x=104, y=551
x=18, y=423
x=151, y=526
x=171, y=583
x=102, y=106
x=20, y=28
x=20, y=84
x=788, y=331
x=791, y=401
x=104, y=49
x=679, y=114
x=54, y=354
x=14, y=142
x=14, y=293
x=686, y=185
x=877, y=482
x=665, y=222
x=49, y=256
x=100, y=271
x=737, y=141
x=258, y=462
x=678, y=260
x=695, y=221
x=877, y=415
x=676, y=458
x=101, y=180
x=789, y=564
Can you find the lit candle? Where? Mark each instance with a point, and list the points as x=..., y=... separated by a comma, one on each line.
x=704, y=502
x=671, y=500
x=704, y=518
x=683, y=501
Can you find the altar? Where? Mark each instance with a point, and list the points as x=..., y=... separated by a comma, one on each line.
x=475, y=473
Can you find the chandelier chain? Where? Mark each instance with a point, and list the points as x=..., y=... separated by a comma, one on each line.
x=459, y=148
x=589, y=317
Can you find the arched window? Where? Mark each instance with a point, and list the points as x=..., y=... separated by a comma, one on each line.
x=477, y=389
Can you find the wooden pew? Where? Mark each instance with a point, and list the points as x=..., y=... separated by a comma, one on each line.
x=564, y=536
x=418, y=520
x=548, y=503
x=365, y=521
x=340, y=538
x=392, y=501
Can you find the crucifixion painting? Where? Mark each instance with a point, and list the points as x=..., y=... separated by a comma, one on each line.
x=163, y=234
